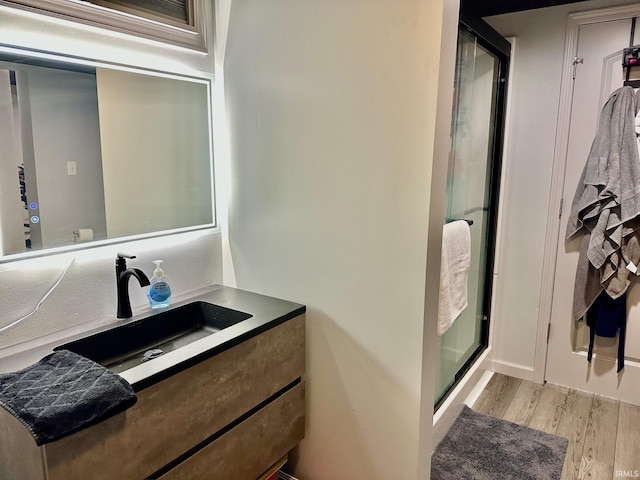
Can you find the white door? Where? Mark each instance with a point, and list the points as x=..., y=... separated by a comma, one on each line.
x=600, y=46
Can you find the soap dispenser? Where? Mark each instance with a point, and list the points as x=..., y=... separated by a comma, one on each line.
x=160, y=290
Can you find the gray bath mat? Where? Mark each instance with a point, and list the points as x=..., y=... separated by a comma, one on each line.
x=481, y=447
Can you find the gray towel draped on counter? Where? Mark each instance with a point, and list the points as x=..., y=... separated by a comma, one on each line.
x=606, y=206
x=62, y=394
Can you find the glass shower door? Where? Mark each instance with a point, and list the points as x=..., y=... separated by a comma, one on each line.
x=472, y=185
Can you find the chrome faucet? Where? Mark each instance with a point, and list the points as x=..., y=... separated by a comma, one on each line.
x=122, y=281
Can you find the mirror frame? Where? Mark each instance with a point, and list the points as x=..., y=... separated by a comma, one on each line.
x=199, y=77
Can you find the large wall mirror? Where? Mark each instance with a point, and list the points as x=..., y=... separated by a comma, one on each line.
x=93, y=152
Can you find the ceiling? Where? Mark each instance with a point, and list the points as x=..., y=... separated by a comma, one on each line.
x=485, y=8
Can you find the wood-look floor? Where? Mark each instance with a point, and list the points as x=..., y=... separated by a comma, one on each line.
x=603, y=434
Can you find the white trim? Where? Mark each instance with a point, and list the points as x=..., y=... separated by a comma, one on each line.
x=466, y=392
x=557, y=183
x=504, y=164
x=190, y=37
x=437, y=195
x=603, y=15
x=194, y=76
x=479, y=387
x=574, y=22
x=496, y=294
x=524, y=372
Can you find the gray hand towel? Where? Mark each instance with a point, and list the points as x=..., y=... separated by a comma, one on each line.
x=63, y=393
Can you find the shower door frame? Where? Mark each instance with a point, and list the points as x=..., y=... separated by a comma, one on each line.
x=498, y=46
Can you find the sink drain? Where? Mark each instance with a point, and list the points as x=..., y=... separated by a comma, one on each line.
x=151, y=354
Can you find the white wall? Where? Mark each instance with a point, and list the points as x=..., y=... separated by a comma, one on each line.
x=88, y=293
x=332, y=108
x=535, y=92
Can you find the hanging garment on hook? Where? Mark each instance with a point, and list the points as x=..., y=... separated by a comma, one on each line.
x=606, y=318
x=606, y=204
x=606, y=210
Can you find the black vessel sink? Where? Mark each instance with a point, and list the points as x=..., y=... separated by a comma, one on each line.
x=124, y=347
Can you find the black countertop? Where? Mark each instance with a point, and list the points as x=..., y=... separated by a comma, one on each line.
x=267, y=312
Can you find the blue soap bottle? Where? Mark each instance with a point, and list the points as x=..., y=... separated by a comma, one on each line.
x=160, y=289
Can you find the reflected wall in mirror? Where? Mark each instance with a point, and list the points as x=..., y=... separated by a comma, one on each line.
x=93, y=152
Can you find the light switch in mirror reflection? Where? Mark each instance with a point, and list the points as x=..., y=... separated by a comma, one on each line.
x=139, y=142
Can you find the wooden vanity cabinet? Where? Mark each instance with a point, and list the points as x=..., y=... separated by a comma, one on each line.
x=230, y=417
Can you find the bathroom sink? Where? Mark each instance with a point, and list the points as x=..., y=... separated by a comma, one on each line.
x=124, y=347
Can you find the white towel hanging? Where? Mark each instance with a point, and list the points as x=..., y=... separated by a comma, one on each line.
x=454, y=273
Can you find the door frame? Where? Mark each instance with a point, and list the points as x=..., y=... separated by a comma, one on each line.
x=574, y=22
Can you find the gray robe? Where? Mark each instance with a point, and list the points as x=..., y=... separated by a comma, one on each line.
x=606, y=204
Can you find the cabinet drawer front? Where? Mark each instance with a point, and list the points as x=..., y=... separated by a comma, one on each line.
x=20, y=457
x=244, y=452
x=176, y=414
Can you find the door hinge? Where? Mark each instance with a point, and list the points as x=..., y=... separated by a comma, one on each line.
x=561, y=206
x=548, y=331
x=576, y=61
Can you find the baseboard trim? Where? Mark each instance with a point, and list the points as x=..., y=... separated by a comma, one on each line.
x=513, y=370
x=466, y=392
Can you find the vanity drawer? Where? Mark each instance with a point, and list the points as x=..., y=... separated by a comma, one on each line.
x=181, y=412
x=246, y=450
